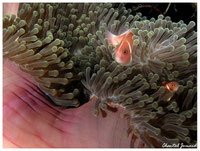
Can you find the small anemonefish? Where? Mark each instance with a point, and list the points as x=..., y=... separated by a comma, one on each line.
x=170, y=86
x=124, y=46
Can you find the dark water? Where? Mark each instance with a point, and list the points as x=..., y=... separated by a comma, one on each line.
x=177, y=11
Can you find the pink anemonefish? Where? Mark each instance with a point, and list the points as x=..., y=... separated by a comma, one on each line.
x=170, y=86
x=124, y=46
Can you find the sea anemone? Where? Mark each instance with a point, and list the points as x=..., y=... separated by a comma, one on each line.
x=63, y=46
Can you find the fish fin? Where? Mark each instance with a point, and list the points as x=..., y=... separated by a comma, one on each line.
x=113, y=39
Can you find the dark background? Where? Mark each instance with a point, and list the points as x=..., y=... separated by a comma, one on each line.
x=177, y=11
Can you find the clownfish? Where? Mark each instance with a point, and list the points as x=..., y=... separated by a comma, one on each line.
x=170, y=86
x=124, y=46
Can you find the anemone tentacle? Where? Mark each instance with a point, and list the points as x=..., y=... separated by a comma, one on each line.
x=65, y=48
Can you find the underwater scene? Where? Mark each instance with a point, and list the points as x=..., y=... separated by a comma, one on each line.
x=100, y=75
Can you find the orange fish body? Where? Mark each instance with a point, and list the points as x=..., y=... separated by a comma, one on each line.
x=170, y=86
x=123, y=44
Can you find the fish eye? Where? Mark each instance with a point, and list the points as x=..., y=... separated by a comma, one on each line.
x=125, y=51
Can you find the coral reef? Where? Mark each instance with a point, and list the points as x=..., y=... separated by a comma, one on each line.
x=63, y=46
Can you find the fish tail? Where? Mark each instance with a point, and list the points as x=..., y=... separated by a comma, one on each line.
x=110, y=38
